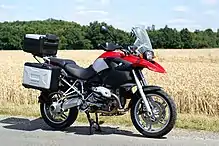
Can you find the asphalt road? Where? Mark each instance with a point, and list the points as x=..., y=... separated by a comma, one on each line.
x=17, y=131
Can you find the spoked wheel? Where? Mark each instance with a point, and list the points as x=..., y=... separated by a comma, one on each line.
x=164, y=115
x=57, y=120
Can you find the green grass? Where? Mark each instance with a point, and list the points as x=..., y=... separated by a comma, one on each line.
x=184, y=121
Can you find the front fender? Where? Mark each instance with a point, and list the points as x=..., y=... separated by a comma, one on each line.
x=147, y=89
x=151, y=65
x=151, y=88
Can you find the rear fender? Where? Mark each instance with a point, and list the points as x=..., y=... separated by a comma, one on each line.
x=43, y=98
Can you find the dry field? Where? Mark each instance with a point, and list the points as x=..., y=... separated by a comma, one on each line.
x=192, y=78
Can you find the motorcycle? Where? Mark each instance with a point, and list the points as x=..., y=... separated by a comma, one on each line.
x=105, y=87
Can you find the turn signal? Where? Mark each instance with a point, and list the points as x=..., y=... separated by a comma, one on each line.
x=141, y=56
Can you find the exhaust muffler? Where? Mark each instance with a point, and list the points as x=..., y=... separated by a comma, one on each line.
x=70, y=103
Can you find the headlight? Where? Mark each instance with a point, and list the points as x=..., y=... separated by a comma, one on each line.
x=148, y=55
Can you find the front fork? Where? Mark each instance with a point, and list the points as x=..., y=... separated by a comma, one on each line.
x=139, y=86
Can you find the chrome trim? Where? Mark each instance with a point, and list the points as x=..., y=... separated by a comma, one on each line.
x=70, y=103
x=73, y=88
x=143, y=78
x=142, y=93
x=118, y=100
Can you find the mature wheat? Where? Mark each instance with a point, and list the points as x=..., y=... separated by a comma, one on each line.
x=192, y=77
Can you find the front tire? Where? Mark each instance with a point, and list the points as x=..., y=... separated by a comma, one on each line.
x=161, y=113
x=58, y=125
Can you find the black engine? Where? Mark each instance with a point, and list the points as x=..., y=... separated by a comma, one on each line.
x=101, y=100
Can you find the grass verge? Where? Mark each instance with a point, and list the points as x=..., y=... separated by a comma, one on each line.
x=184, y=121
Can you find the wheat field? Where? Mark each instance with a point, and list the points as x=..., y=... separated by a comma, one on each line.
x=192, y=78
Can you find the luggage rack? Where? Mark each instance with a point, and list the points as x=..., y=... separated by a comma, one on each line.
x=46, y=58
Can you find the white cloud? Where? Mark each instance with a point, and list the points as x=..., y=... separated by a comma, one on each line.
x=210, y=12
x=80, y=1
x=29, y=8
x=84, y=12
x=107, y=20
x=143, y=23
x=105, y=2
x=2, y=6
x=85, y=17
x=180, y=21
x=210, y=2
x=102, y=2
x=80, y=7
x=181, y=8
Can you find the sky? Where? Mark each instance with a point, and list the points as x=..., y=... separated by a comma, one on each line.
x=123, y=14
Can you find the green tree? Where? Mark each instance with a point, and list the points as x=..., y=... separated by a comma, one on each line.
x=211, y=38
x=75, y=36
x=94, y=34
x=170, y=38
x=217, y=38
x=186, y=38
x=75, y=39
x=199, y=40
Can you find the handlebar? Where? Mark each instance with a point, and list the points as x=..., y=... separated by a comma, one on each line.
x=127, y=49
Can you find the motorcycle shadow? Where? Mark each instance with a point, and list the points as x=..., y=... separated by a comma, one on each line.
x=106, y=130
x=23, y=124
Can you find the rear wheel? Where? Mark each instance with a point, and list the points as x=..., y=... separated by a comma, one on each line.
x=57, y=120
x=164, y=110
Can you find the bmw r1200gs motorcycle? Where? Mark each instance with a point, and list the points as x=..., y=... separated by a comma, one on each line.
x=114, y=78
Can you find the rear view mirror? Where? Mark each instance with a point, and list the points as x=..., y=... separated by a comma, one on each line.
x=104, y=29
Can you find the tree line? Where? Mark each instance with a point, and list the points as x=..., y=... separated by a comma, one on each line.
x=75, y=36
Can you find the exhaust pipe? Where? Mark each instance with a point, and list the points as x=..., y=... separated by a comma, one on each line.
x=70, y=103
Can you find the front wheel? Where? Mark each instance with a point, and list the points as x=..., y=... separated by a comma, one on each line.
x=164, y=114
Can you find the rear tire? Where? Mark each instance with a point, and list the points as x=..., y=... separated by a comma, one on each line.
x=71, y=118
x=172, y=117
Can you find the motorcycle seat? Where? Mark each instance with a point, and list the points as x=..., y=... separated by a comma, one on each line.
x=61, y=62
x=80, y=72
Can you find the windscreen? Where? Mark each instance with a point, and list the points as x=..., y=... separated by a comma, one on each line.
x=142, y=39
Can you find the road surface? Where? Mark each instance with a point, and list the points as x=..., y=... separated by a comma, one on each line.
x=17, y=131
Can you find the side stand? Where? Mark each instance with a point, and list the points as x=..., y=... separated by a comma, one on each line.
x=93, y=123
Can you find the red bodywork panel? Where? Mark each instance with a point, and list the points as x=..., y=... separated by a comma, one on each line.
x=140, y=62
x=112, y=55
x=135, y=60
